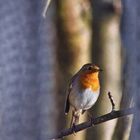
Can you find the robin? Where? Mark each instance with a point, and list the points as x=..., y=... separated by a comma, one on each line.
x=83, y=91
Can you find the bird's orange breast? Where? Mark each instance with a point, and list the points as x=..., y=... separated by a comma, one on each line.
x=90, y=80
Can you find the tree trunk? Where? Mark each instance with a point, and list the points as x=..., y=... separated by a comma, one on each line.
x=107, y=53
x=27, y=71
x=74, y=47
x=130, y=36
x=128, y=39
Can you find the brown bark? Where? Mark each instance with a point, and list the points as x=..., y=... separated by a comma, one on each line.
x=74, y=46
x=107, y=53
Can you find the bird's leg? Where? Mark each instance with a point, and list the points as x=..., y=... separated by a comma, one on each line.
x=91, y=121
x=72, y=125
x=90, y=117
x=72, y=119
x=75, y=120
x=73, y=129
x=77, y=116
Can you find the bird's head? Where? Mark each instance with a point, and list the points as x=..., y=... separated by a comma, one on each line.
x=90, y=68
x=89, y=76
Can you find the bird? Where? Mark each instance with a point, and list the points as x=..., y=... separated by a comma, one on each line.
x=83, y=91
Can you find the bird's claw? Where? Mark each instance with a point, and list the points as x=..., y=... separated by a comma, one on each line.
x=73, y=129
x=91, y=121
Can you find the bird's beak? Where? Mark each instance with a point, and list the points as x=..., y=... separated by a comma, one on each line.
x=98, y=70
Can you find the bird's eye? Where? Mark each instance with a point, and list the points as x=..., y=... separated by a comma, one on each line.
x=90, y=68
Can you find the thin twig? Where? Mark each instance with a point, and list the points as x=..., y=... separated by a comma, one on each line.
x=46, y=8
x=111, y=100
x=112, y=115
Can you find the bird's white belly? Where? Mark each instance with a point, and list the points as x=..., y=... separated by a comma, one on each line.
x=84, y=100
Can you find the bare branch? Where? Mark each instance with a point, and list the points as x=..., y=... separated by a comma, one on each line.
x=46, y=8
x=111, y=100
x=95, y=121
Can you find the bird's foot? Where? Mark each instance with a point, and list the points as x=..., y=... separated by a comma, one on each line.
x=73, y=129
x=91, y=122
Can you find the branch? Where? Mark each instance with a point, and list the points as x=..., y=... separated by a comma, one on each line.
x=95, y=121
x=47, y=4
x=111, y=100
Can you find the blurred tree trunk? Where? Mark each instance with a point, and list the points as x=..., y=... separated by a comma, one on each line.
x=131, y=43
x=123, y=127
x=107, y=53
x=135, y=134
x=74, y=29
x=27, y=71
x=128, y=27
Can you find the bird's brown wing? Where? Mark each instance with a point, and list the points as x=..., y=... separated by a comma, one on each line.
x=67, y=105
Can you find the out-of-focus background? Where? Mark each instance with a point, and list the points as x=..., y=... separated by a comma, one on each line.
x=38, y=57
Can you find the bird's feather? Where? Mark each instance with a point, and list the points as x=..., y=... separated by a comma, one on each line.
x=67, y=105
